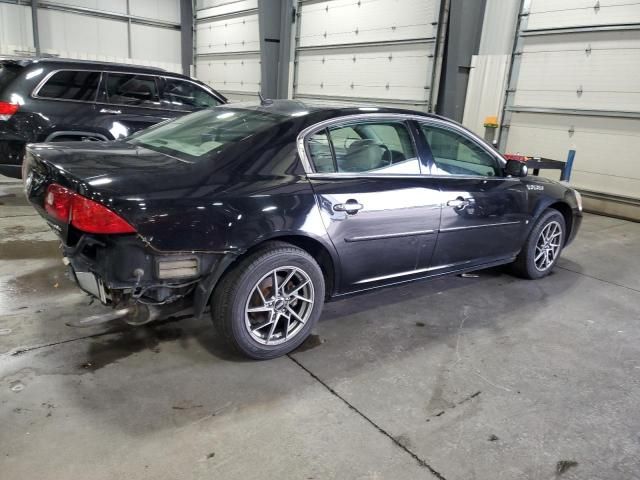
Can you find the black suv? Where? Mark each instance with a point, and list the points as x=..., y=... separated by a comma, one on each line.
x=52, y=99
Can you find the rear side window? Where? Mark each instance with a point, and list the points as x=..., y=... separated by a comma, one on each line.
x=71, y=85
x=130, y=89
x=182, y=95
x=8, y=72
x=372, y=147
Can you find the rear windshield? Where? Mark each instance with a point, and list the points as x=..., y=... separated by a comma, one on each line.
x=198, y=134
x=8, y=72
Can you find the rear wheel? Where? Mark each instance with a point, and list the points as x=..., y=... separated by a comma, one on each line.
x=270, y=302
x=543, y=246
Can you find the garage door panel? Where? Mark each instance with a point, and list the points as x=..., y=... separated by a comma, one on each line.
x=606, y=148
x=231, y=73
x=574, y=13
x=16, y=31
x=347, y=21
x=584, y=101
x=228, y=35
x=391, y=72
x=75, y=35
x=580, y=71
x=212, y=8
x=367, y=51
x=227, y=47
x=117, y=6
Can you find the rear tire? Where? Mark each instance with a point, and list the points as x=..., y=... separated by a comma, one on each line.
x=269, y=303
x=543, y=246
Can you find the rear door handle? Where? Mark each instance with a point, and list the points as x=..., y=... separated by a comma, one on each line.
x=112, y=112
x=350, y=206
x=458, y=203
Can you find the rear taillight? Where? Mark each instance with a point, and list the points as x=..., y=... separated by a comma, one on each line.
x=58, y=201
x=8, y=109
x=83, y=213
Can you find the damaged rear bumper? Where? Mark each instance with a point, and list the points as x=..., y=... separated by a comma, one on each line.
x=122, y=270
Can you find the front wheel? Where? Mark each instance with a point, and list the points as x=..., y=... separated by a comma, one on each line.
x=270, y=302
x=543, y=246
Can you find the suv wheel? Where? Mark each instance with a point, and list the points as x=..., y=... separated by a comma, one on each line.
x=270, y=302
x=543, y=246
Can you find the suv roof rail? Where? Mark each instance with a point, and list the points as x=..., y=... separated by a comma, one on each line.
x=21, y=60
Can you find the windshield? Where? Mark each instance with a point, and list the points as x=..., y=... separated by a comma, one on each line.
x=204, y=132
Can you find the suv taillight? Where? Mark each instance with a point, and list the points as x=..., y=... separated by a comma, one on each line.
x=83, y=213
x=8, y=109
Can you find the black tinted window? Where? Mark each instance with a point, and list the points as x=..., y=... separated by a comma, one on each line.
x=71, y=85
x=182, y=95
x=129, y=89
x=454, y=154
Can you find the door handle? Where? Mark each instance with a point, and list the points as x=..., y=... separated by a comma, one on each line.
x=458, y=203
x=112, y=112
x=350, y=206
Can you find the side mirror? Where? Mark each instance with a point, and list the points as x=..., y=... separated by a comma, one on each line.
x=516, y=168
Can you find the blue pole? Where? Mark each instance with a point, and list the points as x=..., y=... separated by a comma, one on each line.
x=566, y=172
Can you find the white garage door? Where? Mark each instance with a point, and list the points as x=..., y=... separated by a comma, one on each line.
x=228, y=47
x=575, y=85
x=366, y=51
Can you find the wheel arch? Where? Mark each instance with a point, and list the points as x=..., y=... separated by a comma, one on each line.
x=561, y=206
x=322, y=253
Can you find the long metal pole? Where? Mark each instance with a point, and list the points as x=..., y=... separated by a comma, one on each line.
x=34, y=23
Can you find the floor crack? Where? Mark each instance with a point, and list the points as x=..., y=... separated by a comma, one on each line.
x=419, y=460
x=599, y=279
x=22, y=350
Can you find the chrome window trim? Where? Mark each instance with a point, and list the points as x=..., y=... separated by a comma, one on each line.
x=311, y=173
x=38, y=87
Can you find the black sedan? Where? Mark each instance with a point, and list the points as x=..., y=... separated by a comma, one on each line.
x=265, y=211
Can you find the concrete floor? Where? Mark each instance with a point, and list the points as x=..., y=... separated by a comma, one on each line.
x=458, y=378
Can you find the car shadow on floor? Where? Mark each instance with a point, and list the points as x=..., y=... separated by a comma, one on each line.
x=193, y=352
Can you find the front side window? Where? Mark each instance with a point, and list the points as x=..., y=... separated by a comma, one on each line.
x=383, y=147
x=453, y=154
x=198, y=134
x=182, y=95
x=130, y=89
x=71, y=85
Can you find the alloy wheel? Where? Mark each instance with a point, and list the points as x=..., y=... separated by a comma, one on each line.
x=548, y=246
x=279, y=305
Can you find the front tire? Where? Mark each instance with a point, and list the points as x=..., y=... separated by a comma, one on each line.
x=543, y=246
x=270, y=302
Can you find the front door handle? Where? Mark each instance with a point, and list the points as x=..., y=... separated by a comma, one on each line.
x=350, y=206
x=112, y=112
x=458, y=203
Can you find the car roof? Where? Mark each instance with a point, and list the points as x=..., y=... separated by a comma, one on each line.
x=299, y=108
x=67, y=62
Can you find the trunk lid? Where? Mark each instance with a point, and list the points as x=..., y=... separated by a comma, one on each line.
x=117, y=175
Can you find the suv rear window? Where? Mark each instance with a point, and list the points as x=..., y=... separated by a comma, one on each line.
x=203, y=132
x=71, y=85
x=8, y=72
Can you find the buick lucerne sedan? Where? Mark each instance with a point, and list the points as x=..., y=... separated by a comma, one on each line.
x=265, y=211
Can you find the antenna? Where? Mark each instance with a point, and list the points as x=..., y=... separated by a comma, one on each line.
x=264, y=101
